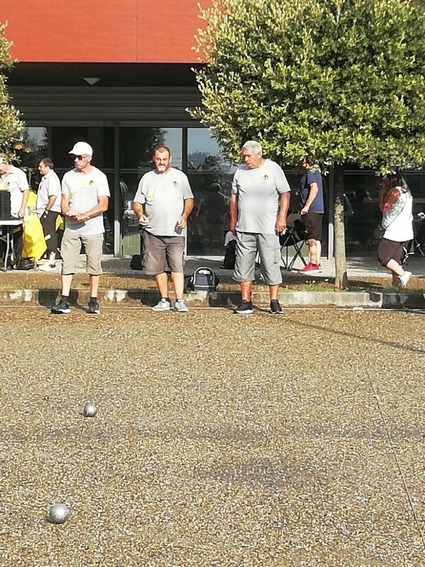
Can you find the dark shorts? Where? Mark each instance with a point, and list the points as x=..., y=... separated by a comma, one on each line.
x=48, y=222
x=162, y=254
x=390, y=250
x=313, y=224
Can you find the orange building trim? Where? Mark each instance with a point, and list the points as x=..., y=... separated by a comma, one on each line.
x=114, y=31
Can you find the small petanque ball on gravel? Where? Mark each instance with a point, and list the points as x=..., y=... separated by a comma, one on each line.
x=89, y=409
x=58, y=513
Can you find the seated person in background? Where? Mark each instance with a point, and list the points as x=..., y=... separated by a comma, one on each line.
x=14, y=181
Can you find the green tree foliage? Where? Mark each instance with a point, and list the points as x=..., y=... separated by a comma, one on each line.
x=342, y=81
x=10, y=125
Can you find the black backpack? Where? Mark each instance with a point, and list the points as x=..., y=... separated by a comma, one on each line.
x=202, y=279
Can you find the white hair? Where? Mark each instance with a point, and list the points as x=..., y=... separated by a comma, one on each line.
x=253, y=146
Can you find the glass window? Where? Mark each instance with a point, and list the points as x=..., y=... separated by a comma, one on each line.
x=33, y=148
x=101, y=140
x=361, y=211
x=210, y=175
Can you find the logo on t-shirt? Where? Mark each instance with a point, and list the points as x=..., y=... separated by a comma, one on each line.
x=175, y=183
x=91, y=183
x=265, y=177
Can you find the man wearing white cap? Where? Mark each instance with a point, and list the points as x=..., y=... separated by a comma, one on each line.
x=85, y=197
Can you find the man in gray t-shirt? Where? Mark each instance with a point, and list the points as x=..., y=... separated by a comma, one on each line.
x=258, y=207
x=163, y=203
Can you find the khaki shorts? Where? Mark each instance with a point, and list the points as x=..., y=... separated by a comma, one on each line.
x=162, y=254
x=70, y=251
x=268, y=247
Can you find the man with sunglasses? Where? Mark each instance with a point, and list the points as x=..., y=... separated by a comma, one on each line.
x=85, y=197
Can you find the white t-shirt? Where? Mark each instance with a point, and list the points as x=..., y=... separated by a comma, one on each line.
x=50, y=186
x=258, y=192
x=398, y=220
x=84, y=190
x=163, y=196
x=15, y=182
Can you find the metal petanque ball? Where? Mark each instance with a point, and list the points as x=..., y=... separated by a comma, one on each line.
x=58, y=513
x=90, y=409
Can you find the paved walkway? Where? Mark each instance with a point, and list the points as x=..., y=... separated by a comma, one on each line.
x=364, y=266
x=370, y=286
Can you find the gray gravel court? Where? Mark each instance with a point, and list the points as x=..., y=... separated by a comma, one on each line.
x=220, y=440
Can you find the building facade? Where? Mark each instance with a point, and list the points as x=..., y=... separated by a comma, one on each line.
x=118, y=74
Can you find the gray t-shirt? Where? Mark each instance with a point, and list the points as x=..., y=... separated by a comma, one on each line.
x=84, y=190
x=258, y=192
x=163, y=196
x=49, y=185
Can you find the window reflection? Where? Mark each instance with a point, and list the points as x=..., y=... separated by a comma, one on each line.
x=210, y=176
x=34, y=147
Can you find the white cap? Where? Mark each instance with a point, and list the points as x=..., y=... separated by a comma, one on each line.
x=82, y=149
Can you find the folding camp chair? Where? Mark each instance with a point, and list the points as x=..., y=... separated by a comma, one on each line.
x=418, y=242
x=294, y=237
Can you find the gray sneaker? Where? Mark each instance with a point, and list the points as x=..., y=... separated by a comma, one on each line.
x=404, y=280
x=162, y=305
x=180, y=306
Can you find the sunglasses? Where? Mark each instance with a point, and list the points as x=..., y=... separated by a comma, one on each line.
x=79, y=157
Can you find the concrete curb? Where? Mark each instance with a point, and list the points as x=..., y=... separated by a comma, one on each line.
x=224, y=298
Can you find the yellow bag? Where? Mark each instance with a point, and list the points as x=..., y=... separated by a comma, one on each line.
x=34, y=243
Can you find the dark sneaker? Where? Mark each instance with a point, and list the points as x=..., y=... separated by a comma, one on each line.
x=61, y=307
x=244, y=308
x=93, y=308
x=275, y=308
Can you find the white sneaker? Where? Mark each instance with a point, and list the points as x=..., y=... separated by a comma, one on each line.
x=47, y=267
x=162, y=305
x=404, y=279
x=180, y=306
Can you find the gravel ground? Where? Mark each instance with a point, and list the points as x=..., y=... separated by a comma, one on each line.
x=219, y=440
